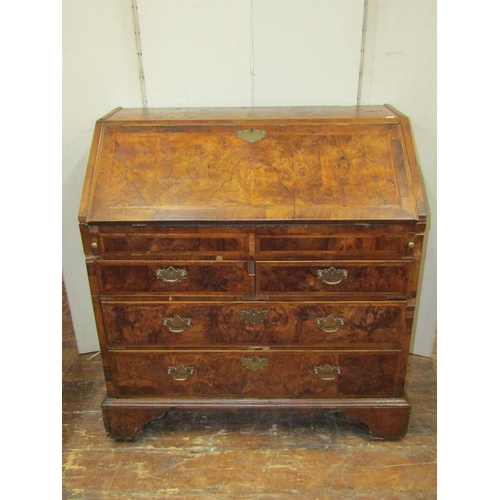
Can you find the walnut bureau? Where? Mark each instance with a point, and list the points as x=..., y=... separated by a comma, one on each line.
x=254, y=259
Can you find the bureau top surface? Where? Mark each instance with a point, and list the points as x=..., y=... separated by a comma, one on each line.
x=299, y=164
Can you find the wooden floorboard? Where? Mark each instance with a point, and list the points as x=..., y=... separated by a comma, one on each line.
x=242, y=455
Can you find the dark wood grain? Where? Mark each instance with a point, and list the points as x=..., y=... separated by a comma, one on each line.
x=183, y=246
x=386, y=418
x=128, y=425
x=202, y=277
x=221, y=374
x=240, y=231
x=142, y=324
x=380, y=278
x=384, y=423
x=274, y=242
x=343, y=170
x=354, y=246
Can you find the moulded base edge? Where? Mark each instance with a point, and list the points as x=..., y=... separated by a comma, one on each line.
x=387, y=418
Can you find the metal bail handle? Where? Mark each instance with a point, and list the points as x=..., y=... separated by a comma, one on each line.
x=171, y=275
x=254, y=363
x=330, y=324
x=331, y=276
x=177, y=324
x=326, y=372
x=180, y=372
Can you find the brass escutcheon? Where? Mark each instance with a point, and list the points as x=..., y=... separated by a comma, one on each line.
x=326, y=372
x=177, y=324
x=329, y=324
x=251, y=135
x=180, y=372
x=331, y=276
x=253, y=316
x=171, y=275
x=254, y=363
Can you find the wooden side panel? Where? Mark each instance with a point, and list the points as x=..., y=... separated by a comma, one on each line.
x=96, y=305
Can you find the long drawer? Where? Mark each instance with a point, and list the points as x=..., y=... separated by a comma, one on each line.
x=175, y=277
x=247, y=374
x=350, y=242
x=185, y=324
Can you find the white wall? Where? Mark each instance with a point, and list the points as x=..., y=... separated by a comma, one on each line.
x=306, y=52
x=400, y=68
x=241, y=53
x=99, y=73
x=196, y=53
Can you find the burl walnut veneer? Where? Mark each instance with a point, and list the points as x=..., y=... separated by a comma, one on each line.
x=254, y=258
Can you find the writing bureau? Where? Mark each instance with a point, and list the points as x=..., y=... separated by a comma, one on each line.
x=254, y=258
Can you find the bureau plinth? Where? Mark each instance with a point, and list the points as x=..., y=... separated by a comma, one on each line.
x=254, y=258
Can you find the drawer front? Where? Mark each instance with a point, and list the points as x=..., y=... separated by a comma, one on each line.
x=185, y=324
x=243, y=374
x=174, y=246
x=338, y=247
x=332, y=278
x=175, y=278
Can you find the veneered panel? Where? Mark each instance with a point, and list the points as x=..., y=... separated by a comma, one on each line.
x=182, y=278
x=380, y=278
x=222, y=324
x=222, y=374
x=199, y=171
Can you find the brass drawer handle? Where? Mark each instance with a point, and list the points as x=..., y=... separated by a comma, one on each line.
x=171, y=275
x=254, y=363
x=177, y=324
x=331, y=276
x=180, y=372
x=330, y=324
x=253, y=316
x=326, y=372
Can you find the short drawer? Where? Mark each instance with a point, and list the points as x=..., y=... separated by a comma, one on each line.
x=174, y=278
x=191, y=324
x=174, y=246
x=245, y=374
x=335, y=247
x=332, y=278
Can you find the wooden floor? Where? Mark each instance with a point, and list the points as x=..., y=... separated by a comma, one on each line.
x=242, y=455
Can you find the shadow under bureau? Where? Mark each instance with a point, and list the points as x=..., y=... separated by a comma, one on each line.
x=254, y=259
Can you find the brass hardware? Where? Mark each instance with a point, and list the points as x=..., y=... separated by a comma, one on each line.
x=331, y=276
x=411, y=244
x=251, y=135
x=180, y=372
x=94, y=245
x=326, y=372
x=254, y=316
x=177, y=324
x=254, y=363
x=329, y=324
x=171, y=275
